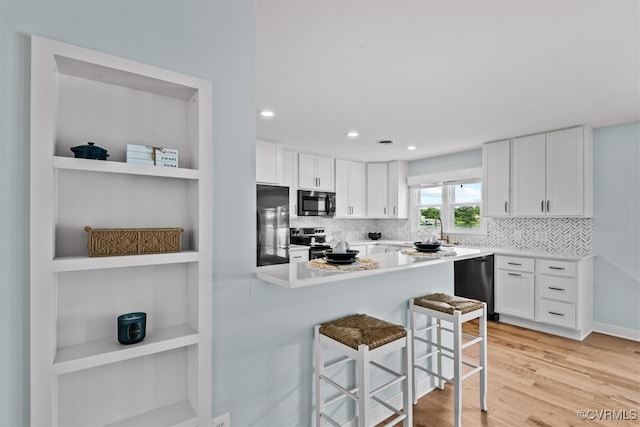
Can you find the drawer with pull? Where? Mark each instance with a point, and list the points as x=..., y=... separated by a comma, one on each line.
x=558, y=268
x=556, y=313
x=558, y=288
x=515, y=263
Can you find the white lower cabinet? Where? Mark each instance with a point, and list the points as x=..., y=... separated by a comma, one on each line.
x=515, y=287
x=299, y=255
x=551, y=295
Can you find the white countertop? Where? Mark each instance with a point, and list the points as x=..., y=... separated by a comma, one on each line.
x=496, y=251
x=298, y=275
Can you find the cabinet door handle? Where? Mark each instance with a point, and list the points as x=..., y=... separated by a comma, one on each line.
x=514, y=263
x=555, y=289
x=542, y=206
x=515, y=274
x=555, y=314
x=548, y=205
x=394, y=210
x=555, y=268
x=385, y=210
x=506, y=209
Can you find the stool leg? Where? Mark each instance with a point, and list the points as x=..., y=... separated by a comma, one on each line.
x=319, y=373
x=439, y=381
x=457, y=369
x=408, y=382
x=483, y=358
x=363, y=385
x=414, y=355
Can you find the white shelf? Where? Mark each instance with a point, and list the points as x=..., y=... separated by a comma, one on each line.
x=76, y=94
x=90, y=165
x=80, y=263
x=98, y=353
x=179, y=414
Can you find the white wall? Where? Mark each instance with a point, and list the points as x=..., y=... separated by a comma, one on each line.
x=616, y=229
x=446, y=162
x=209, y=39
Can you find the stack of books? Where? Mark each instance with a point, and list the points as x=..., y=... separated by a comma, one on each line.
x=153, y=156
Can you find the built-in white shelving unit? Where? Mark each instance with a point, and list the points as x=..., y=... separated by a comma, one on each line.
x=80, y=373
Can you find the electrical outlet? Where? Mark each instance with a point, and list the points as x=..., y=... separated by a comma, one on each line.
x=517, y=236
x=222, y=421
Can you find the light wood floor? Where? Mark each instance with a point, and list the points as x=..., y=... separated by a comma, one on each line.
x=536, y=379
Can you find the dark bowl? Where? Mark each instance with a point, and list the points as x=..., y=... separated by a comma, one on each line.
x=427, y=246
x=349, y=255
x=375, y=236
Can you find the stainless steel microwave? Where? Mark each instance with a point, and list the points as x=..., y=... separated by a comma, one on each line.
x=316, y=203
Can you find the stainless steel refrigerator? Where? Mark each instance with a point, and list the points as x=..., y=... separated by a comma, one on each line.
x=272, y=225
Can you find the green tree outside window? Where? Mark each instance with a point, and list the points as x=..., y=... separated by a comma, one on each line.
x=428, y=216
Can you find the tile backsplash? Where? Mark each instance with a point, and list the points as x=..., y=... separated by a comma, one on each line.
x=563, y=236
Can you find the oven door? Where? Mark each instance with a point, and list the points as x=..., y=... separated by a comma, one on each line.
x=316, y=203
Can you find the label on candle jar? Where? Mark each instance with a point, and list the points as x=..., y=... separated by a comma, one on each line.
x=131, y=327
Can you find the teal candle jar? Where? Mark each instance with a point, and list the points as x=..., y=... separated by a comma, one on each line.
x=132, y=327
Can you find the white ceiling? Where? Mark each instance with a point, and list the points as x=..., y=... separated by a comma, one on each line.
x=445, y=76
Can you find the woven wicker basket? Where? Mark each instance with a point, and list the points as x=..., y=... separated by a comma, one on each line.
x=132, y=241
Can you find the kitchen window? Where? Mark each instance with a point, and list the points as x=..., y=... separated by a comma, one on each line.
x=458, y=203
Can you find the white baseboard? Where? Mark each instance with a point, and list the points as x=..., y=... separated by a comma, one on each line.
x=617, y=331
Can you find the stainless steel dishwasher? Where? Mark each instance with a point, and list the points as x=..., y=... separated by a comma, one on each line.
x=474, y=279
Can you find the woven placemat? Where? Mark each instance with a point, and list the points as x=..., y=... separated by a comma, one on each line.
x=439, y=254
x=359, y=265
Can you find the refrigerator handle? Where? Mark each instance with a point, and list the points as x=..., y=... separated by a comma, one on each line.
x=258, y=240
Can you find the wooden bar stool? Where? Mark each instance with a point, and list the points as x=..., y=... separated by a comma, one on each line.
x=363, y=339
x=456, y=310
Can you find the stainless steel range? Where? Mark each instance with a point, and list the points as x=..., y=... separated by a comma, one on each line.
x=315, y=238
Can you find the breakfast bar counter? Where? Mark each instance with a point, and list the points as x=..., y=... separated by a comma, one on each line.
x=302, y=274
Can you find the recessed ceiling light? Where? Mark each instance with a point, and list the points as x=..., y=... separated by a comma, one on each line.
x=266, y=113
x=352, y=134
x=411, y=147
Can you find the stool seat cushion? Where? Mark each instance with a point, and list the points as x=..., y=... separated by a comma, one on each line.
x=447, y=303
x=362, y=329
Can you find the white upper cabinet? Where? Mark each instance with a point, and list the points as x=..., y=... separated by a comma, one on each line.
x=387, y=191
x=290, y=179
x=529, y=175
x=350, y=189
x=566, y=173
x=552, y=174
x=398, y=190
x=268, y=162
x=496, y=178
x=377, y=190
x=315, y=172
